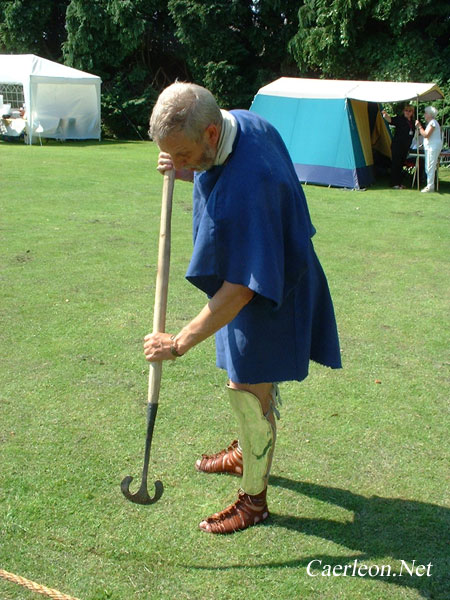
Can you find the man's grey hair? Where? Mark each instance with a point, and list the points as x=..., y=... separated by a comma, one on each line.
x=431, y=110
x=185, y=107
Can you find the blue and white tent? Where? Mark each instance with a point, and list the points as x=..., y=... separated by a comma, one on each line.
x=332, y=127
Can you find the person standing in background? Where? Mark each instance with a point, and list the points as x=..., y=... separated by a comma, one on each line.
x=432, y=143
x=403, y=137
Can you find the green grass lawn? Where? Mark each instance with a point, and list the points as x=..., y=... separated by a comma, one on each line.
x=361, y=466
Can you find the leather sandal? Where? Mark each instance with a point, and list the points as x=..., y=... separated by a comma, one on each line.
x=228, y=460
x=245, y=512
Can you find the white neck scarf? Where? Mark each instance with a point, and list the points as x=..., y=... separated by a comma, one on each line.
x=227, y=137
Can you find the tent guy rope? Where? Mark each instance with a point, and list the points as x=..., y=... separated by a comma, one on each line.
x=35, y=587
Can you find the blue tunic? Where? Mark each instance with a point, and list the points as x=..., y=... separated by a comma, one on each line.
x=252, y=227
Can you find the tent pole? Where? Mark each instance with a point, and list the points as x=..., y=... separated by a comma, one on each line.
x=417, y=147
x=29, y=114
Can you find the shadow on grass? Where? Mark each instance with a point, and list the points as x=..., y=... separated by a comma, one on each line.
x=382, y=529
x=403, y=530
x=444, y=187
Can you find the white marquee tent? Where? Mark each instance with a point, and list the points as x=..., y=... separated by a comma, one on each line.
x=60, y=102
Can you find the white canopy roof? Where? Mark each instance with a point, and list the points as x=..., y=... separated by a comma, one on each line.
x=370, y=91
x=19, y=68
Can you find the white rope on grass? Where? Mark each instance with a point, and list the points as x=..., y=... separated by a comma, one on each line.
x=35, y=587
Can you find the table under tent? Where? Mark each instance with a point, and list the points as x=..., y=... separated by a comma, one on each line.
x=333, y=129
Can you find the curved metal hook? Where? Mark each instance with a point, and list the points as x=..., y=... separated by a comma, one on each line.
x=141, y=496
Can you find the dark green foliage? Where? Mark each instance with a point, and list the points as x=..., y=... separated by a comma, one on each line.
x=373, y=39
x=33, y=27
x=235, y=46
x=131, y=45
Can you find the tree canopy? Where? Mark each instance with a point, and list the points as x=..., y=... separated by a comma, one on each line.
x=374, y=39
x=233, y=47
x=33, y=27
